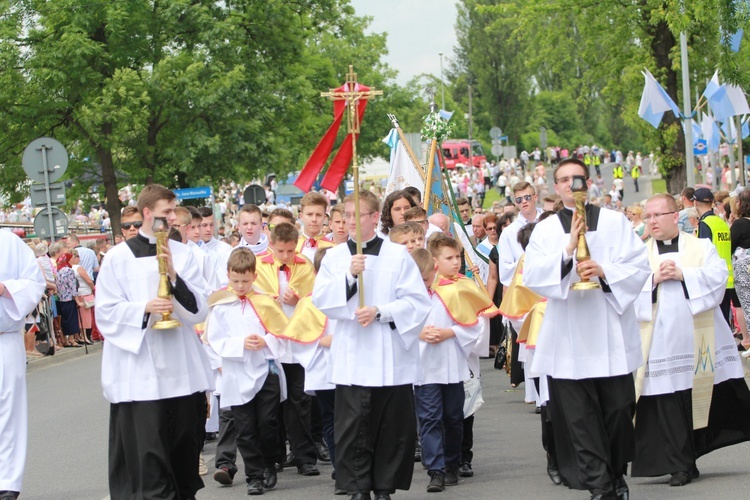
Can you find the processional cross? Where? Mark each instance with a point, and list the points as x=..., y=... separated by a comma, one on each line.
x=352, y=95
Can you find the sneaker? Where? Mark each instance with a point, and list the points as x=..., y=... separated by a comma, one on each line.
x=418, y=453
x=451, y=475
x=437, y=482
x=255, y=487
x=223, y=476
x=465, y=470
x=202, y=467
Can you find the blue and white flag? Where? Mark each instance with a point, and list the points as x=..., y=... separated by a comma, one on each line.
x=735, y=39
x=728, y=101
x=403, y=173
x=712, y=86
x=655, y=102
x=711, y=133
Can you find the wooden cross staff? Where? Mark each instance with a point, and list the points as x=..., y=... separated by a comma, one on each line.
x=352, y=96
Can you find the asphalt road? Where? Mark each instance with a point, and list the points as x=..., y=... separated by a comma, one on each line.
x=67, y=457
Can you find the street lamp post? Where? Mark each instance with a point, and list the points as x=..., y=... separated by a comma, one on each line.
x=442, y=85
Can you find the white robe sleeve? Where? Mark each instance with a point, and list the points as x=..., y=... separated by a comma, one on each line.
x=467, y=336
x=329, y=293
x=190, y=274
x=275, y=347
x=545, y=263
x=118, y=318
x=225, y=345
x=706, y=285
x=25, y=286
x=626, y=272
x=507, y=260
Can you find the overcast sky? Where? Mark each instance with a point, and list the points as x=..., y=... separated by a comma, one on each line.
x=418, y=30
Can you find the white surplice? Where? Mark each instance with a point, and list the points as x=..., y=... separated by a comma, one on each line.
x=24, y=284
x=243, y=371
x=509, y=250
x=316, y=360
x=220, y=252
x=375, y=356
x=143, y=364
x=215, y=278
x=587, y=334
x=671, y=360
x=446, y=362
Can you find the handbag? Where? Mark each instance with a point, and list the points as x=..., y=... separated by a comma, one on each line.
x=88, y=301
x=500, y=356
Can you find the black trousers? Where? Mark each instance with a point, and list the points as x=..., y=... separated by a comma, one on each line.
x=257, y=423
x=548, y=433
x=516, y=367
x=467, y=442
x=593, y=426
x=154, y=447
x=297, y=419
x=375, y=433
x=327, y=402
x=226, y=443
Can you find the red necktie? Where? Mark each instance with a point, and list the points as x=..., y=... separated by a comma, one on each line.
x=287, y=272
x=312, y=242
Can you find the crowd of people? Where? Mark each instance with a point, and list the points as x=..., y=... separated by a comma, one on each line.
x=292, y=346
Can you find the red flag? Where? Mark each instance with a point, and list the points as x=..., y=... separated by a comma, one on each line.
x=340, y=163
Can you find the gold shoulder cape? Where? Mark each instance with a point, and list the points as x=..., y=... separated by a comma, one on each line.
x=517, y=299
x=301, y=281
x=463, y=301
x=271, y=317
x=307, y=324
x=320, y=239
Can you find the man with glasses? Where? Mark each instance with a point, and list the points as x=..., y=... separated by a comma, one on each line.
x=419, y=215
x=589, y=342
x=130, y=222
x=680, y=303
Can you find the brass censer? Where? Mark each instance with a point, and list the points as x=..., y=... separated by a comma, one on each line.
x=582, y=254
x=161, y=231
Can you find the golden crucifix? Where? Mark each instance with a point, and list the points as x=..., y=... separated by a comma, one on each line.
x=352, y=95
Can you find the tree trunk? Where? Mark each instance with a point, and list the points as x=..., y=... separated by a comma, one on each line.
x=109, y=179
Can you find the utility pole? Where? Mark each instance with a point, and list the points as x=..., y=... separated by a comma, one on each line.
x=687, y=111
x=471, y=146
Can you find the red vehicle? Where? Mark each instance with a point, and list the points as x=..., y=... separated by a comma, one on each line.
x=456, y=152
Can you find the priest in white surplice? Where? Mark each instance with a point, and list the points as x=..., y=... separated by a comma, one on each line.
x=693, y=396
x=155, y=380
x=589, y=342
x=375, y=355
x=21, y=287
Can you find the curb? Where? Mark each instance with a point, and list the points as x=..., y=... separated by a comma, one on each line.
x=61, y=356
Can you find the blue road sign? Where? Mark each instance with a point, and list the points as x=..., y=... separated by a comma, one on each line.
x=700, y=147
x=191, y=193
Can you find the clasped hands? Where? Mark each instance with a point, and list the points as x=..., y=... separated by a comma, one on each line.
x=668, y=270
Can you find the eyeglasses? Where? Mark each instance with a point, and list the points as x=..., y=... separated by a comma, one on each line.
x=424, y=222
x=351, y=216
x=490, y=228
x=526, y=197
x=127, y=225
x=179, y=226
x=563, y=180
x=648, y=217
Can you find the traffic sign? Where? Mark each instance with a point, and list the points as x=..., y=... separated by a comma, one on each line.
x=700, y=147
x=192, y=193
x=495, y=133
x=42, y=224
x=497, y=150
x=39, y=194
x=254, y=194
x=41, y=153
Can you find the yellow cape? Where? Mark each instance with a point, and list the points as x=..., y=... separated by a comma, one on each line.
x=271, y=317
x=320, y=239
x=463, y=301
x=307, y=324
x=301, y=281
x=517, y=299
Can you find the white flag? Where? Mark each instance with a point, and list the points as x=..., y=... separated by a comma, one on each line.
x=402, y=173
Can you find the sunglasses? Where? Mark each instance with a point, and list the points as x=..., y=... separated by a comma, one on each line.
x=526, y=197
x=127, y=225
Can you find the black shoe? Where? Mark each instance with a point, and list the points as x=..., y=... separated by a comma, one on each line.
x=224, y=476
x=695, y=472
x=361, y=496
x=538, y=410
x=621, y=489
x=418, y=453
x=255, y=487
x=465, y=470
x=382, y=496
x=322, y=451
x=451, y=475
x=270, y=478
x=552, y=471
x=339, y=491
x=279, y=467
x=603, y=495
x=680, y=479
x=8, y=495
x=308, y=470
x=210, y=436
x=437, y=482
x=289, y=461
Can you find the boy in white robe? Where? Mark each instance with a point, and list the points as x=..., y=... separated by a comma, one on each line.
x=22, y=285
x=155, y=379
x=684, y=411
x=374, y=353
x=589, y=341
x=452, y=330
x=242, y=329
